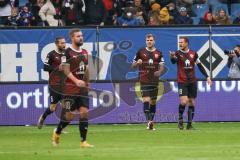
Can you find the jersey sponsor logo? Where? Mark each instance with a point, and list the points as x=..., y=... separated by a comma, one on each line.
x=187, y=64
x=150, y=61
x=63, y=59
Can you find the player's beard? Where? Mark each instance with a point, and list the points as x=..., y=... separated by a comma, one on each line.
x=79, y=44
x=61, y=49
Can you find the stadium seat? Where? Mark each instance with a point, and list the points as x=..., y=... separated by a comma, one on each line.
x=235, y=9
x=22, y=2
x=200, y=9
x=196, y=20
x=215, y=8
x=213, y=2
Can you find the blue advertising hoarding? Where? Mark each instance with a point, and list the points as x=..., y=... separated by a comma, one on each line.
x=24, y=51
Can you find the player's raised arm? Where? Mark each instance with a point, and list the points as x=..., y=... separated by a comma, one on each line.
x=173, y=57
x=47, y=64
x=136, y=61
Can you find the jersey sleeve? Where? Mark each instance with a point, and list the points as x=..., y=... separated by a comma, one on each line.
x=66, y=57
x=161, y=59
x=85, y=54
x=48, y=63
x=136, y=57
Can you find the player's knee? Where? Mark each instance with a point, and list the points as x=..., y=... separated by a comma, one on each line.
x=184, y=102
x=146, y=99
x=83, y=112
x=83, y=115
x=153, y=102
x=69, y=116
x=53, y=107
x=191, y=103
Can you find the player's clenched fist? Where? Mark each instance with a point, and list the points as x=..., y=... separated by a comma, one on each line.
x=139, y=62
x=172, y=54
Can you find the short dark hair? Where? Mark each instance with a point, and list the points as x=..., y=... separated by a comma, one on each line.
x=185, y=39
x=150, y=35
x=72, y=31
x=238, y=45
x=58, y=38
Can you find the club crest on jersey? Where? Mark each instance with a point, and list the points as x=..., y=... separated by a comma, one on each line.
x=156, y=56
x=191, y=55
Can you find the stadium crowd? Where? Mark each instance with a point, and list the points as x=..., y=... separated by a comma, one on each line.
x=118, y=12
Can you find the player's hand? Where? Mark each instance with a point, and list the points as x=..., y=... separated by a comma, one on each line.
x=209, y=81
x=60, y=68
x=139, y=62
x=80, y=83
x=172, y=54
x=157, y=74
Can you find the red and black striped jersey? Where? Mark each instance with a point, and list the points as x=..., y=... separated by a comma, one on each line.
x=150, y=64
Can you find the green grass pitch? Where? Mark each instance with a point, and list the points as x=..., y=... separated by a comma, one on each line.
x=210, y=141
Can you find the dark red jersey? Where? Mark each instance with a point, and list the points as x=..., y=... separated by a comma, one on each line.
x=51, y=65
x=78, y=61
x=186, y=66
x=151, y=61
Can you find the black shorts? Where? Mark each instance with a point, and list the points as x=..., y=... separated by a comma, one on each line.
x=55, y=97
x=149, y=90
x=72, y=103
x=187, y=89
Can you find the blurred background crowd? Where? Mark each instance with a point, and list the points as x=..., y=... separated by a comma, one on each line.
x=118, y=12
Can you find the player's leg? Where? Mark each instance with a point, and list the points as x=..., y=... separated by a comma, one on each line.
x=191, y=110
x=146, y=101
x=83, y=121
x=153, y=101
x=183, y=98
x=192, y=94
x=68, y=107
x=54, y=99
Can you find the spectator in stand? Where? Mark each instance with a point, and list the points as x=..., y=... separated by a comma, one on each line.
x=222, y=18
x=73, y=12
x=154, y=15
x=6, y=10
x=48, y=13
x=140, y=11
x=183, y=18
x=58, y=5
x=96, y=12
x=153, y=19
x=34, y=8
x=111, y=7
x=237, y=19
x=173, y=12
x=13, y=19
x=188, y=4
x=128, y=18
x=25, y=17
x=40, y=3
x=208, y=18
x=164, y=16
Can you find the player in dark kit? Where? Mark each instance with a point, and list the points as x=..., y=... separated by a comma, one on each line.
x=76, y=88
x=151, y=64
x=52, y=66
x=187, y=85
